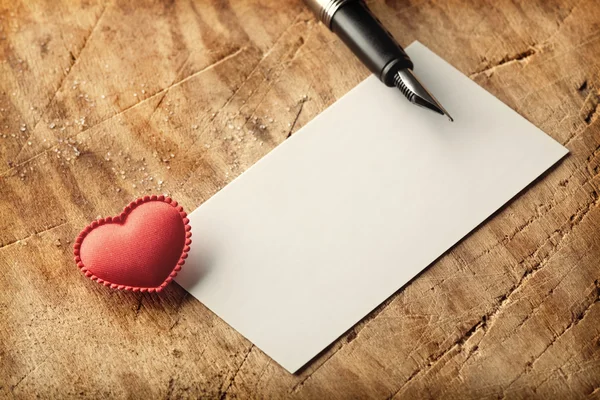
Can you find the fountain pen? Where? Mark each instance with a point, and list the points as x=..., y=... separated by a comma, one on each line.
x=363, y=33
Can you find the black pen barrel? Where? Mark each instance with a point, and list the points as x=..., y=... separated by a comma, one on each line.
x=363, y=33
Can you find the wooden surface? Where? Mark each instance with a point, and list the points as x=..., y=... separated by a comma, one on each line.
x=101, y=102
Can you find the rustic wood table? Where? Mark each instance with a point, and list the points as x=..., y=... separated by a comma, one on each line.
x=101, y=102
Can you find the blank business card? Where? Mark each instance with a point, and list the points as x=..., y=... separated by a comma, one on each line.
x=340, y=216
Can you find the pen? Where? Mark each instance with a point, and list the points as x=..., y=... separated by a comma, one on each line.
x=364, y=34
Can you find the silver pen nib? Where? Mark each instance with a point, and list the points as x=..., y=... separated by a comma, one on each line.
x=415, y=92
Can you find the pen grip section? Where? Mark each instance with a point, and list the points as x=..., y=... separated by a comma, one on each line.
x=362, y=32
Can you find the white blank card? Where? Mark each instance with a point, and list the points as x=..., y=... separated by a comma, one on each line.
x=340, y=216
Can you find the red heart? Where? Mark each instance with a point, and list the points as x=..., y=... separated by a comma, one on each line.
x=142, y=249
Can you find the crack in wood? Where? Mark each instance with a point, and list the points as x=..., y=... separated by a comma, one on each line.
x=590, y=108
x=433, y=362
x=139, y=306
x=177, y=308
x=339, y=344
x=545, y=209
x=522, y=103
x=592, y=155
x=564, y=365
x=61, y=82
x=162, y=92
x=207, y=68
x=218, y=112
x=575, y=135
x=160, y=101
x=574, y=220
x=285, y=64
x=593, y=37
x=561, y=23
x=237, y=371
x=262, y=373
x=33, y=234
x=506, y=60
x=563, y=231
x=541, y=303
x=248, y=77
x=13, y=387
x=170, y=388
x=236, y=91
x=457, y=346
x=594, y=392
x=550, y=375
x=13, y=166
x=293, y=124
x=294, y=23
x=487, y=320
x=595, y=298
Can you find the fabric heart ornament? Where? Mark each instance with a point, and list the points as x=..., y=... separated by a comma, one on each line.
x=142, y=249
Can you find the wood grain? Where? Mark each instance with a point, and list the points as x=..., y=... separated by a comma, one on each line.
x=104, y=101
